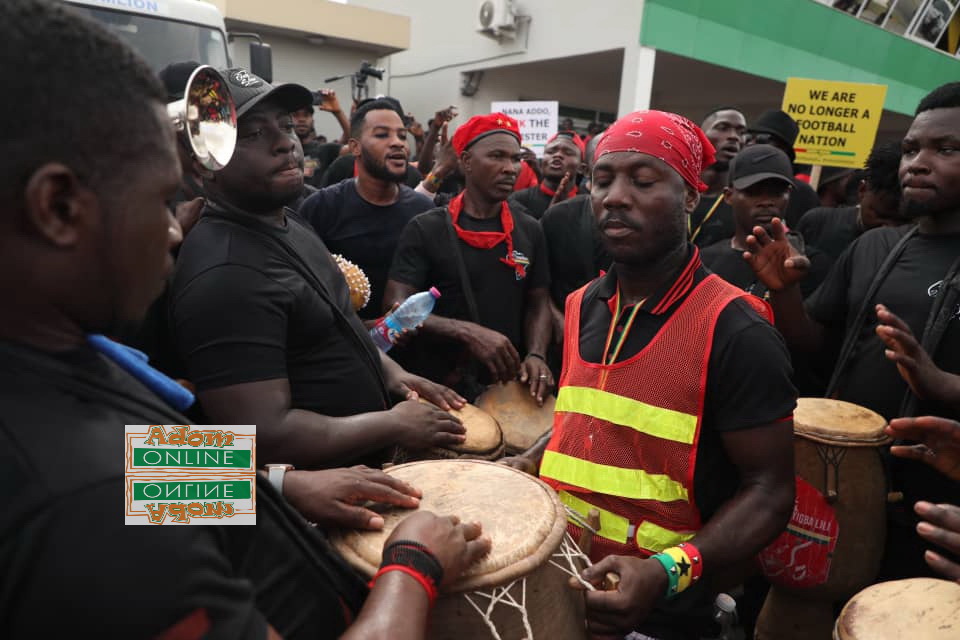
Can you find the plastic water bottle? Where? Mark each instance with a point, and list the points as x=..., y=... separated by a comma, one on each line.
x=725, y=615
x=408, y=315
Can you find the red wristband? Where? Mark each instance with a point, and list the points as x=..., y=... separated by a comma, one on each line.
x=696, y=560
x=424, y=581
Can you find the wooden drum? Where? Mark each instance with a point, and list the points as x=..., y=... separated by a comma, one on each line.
x=520, y=418
x=834, y=542
x=520, y=588
x=484, y=438
x=921, y=608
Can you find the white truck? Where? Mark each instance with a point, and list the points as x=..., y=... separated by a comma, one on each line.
x=167, y=31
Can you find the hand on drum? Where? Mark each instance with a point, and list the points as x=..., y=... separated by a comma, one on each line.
x=411, y=387
x=916, y=367
x=331, y=497
x=776, y=262
x=939, y=438
x=422, y=425
x=494, y=350
x=456, y=545
x=521, y=463
x=617, y=612
x=941, y=526
x=535, y=372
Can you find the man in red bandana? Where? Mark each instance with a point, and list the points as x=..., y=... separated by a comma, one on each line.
x=490, y=264
x=674, y=413
x=561, y=165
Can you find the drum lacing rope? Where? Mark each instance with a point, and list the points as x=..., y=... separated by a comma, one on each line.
x=569, y=551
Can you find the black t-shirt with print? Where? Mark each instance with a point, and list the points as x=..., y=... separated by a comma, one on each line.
x=71, y=566
x=425, y=259
x=364, y=233
x=317, y=156
x=243, y=312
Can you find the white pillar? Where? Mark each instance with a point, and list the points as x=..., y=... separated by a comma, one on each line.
x=636, y=79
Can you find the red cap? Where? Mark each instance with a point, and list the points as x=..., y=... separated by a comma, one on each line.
x=572, y=136
x=481, y=126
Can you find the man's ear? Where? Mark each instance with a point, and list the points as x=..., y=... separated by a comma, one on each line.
x=726, y=194
x=465, y=162
x=691, y=200
x=58, y=207
x=354, y=146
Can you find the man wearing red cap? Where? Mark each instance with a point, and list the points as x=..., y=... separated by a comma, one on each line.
x=490, y=264
x=561, y=165
x=660, y=424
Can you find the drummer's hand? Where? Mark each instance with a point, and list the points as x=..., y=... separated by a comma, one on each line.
x=411, y=387
x=775, y=261
x=422, y=425
x=941, y=526
x=456, y=545
x=535, y=372
x=523, y=463
x=642, y=584
x=939, y=442
x=494, y=350
x=333, y=497
x=926, y=380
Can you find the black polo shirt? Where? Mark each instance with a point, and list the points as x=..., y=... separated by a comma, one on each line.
x=363, y=233
x=425, y=259
x=535, y=200
x=71, y=566
x=242, y=311
x=574, y=246
x=748, y=376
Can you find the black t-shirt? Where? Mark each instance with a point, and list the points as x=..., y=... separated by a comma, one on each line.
x=748, y=375
x=70, y=565
x=364, y=233
x=802, y=199
x=425, y=258
x=533, y=200
x=242, y=311
x=720, y=225
x=317, y=156
x=728, y=263
x=574, y=246
x=342, y=169
x=828, y=231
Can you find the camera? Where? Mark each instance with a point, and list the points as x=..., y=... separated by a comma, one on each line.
x=368, y=70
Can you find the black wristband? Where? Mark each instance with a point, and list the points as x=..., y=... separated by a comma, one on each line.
x=414, y=555
x=536, y=355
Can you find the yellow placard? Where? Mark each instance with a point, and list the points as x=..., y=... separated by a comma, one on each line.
x=838, y=120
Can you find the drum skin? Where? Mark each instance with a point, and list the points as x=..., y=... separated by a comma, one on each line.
x=921, y=608
x=526, y=523
x=521, y=419
x=484, y=438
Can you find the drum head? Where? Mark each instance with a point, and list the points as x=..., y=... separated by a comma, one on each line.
x=838, y=423
x=916, y=608
x=518, y=414
x=522, y=515
x=483, y=433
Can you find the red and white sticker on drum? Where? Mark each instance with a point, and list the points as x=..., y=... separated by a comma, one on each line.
x=800, y=557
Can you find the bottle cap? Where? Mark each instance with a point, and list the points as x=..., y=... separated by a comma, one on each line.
x=435, y=292
x=725, y=603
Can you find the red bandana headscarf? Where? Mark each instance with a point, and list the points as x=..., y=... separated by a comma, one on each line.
x=671, y=138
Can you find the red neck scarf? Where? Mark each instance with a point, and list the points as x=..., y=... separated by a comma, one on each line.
x=489, y=239
x=550, y=192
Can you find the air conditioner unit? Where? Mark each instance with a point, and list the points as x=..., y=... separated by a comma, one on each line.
x=496, y=18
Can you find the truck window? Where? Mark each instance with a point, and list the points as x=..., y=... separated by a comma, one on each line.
x=162, y=41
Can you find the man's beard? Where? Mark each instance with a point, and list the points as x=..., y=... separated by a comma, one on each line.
x=379, y=170
x=912, y=209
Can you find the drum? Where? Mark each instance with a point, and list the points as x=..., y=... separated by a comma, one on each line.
x=484, y=438
x=922, y=608
x=834, y=542
x=519, y=590
x=521, y=419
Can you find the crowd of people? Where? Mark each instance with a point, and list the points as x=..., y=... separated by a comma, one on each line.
x=675, y=285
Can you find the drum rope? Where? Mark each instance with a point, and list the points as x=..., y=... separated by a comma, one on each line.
x=503, y=595
x=569, y=552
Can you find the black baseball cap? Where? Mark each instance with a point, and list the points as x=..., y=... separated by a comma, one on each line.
x=174, y=77
x=757, y=163
x=248, y=90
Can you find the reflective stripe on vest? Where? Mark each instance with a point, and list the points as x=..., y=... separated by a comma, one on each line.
x=635, y=484
x=617, y=528
x=643, y=417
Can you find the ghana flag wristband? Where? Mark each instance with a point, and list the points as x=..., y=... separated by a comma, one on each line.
x=684, y=566
x=673, y=574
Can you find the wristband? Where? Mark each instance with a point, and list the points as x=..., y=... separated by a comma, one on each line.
x=696, y=560
x=536, y=355
x=673, y=574
x=424, y=581
x=683, y=565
